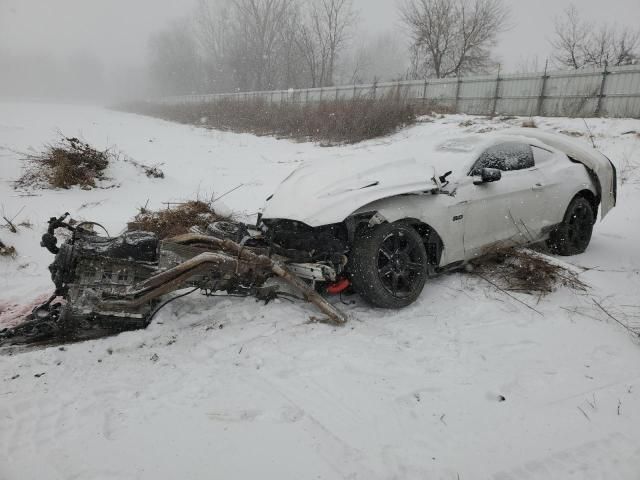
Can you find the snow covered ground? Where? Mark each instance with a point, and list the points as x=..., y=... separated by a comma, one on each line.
x=230, y=388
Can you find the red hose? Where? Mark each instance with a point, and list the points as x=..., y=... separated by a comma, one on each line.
x=338, y=287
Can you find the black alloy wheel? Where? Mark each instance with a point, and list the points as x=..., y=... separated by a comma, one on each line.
x=573, y=236
x=389, y=265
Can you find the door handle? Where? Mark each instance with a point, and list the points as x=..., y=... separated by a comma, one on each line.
x=537, y=187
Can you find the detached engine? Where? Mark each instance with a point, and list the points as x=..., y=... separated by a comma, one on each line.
x=108, y=285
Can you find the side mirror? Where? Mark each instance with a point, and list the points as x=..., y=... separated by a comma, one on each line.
x=488, y=175
x=443, y=178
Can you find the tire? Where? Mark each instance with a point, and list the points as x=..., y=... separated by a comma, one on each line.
x=226, y=230
x=573, y=235
x=389, y=265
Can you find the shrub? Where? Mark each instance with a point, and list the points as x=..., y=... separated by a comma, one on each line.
x=333, y=122
x=65, y=164
x=7, y=251
x=525, y=271
x=171, y=222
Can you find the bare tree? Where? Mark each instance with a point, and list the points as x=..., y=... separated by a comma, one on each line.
x=312, y=52
x=379, y=56
x=176, y=66
x=254, y=45
x=257, y=27
x=291, y=64
x=570, y=36
x=578, y=43
x=323, y=36
x=452, y=37
x=212, y=20
x=338, y=17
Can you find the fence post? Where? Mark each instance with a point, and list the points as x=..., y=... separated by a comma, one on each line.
x=543, y=90
x=321, y=90
x=495, y=96
x=458, y=84
x=605, y=74
x=375, y=88
x=424, y=93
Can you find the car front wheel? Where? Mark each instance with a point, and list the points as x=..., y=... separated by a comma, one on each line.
x=573, y=235
x=389, y=265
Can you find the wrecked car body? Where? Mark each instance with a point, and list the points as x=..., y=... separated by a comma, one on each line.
x=402, y=221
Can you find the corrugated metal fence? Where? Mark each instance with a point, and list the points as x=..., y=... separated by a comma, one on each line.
x=608, y=92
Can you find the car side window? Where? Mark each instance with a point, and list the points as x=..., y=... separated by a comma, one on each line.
x=540, y=154
x=507, y=157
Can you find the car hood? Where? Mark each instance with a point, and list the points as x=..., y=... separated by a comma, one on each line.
x=328, y=191
x=325, y=192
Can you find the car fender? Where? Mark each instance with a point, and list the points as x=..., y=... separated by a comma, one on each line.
x=441, y=212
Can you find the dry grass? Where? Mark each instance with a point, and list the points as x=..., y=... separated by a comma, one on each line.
x=7, y=251
x=572, y=133
x=529, y=124
x=433, y=108
x=175, y=220
x=330, y=122
x=525, y=271
x=65, y=164
x=153, y=171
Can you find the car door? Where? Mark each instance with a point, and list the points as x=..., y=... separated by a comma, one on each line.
x=508, y=211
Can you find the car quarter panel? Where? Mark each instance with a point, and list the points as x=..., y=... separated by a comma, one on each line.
x=604, y=172
x=562, y=181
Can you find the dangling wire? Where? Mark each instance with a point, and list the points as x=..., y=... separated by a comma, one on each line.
x=167, y=302
x=93, y=223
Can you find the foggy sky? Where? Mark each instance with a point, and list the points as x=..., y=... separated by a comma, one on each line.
x=117, y=31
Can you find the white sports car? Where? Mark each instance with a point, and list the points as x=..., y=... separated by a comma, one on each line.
x=384, y=227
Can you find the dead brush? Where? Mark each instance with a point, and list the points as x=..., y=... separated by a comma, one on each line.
x=7, y=251
x=524, y=271
x=175, y=220
x=334, y=121
x=65, y=164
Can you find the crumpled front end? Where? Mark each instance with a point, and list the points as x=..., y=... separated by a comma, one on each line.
x=320, y=194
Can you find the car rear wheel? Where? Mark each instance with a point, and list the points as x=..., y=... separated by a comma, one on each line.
x=573, y=235
x=389, y=265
